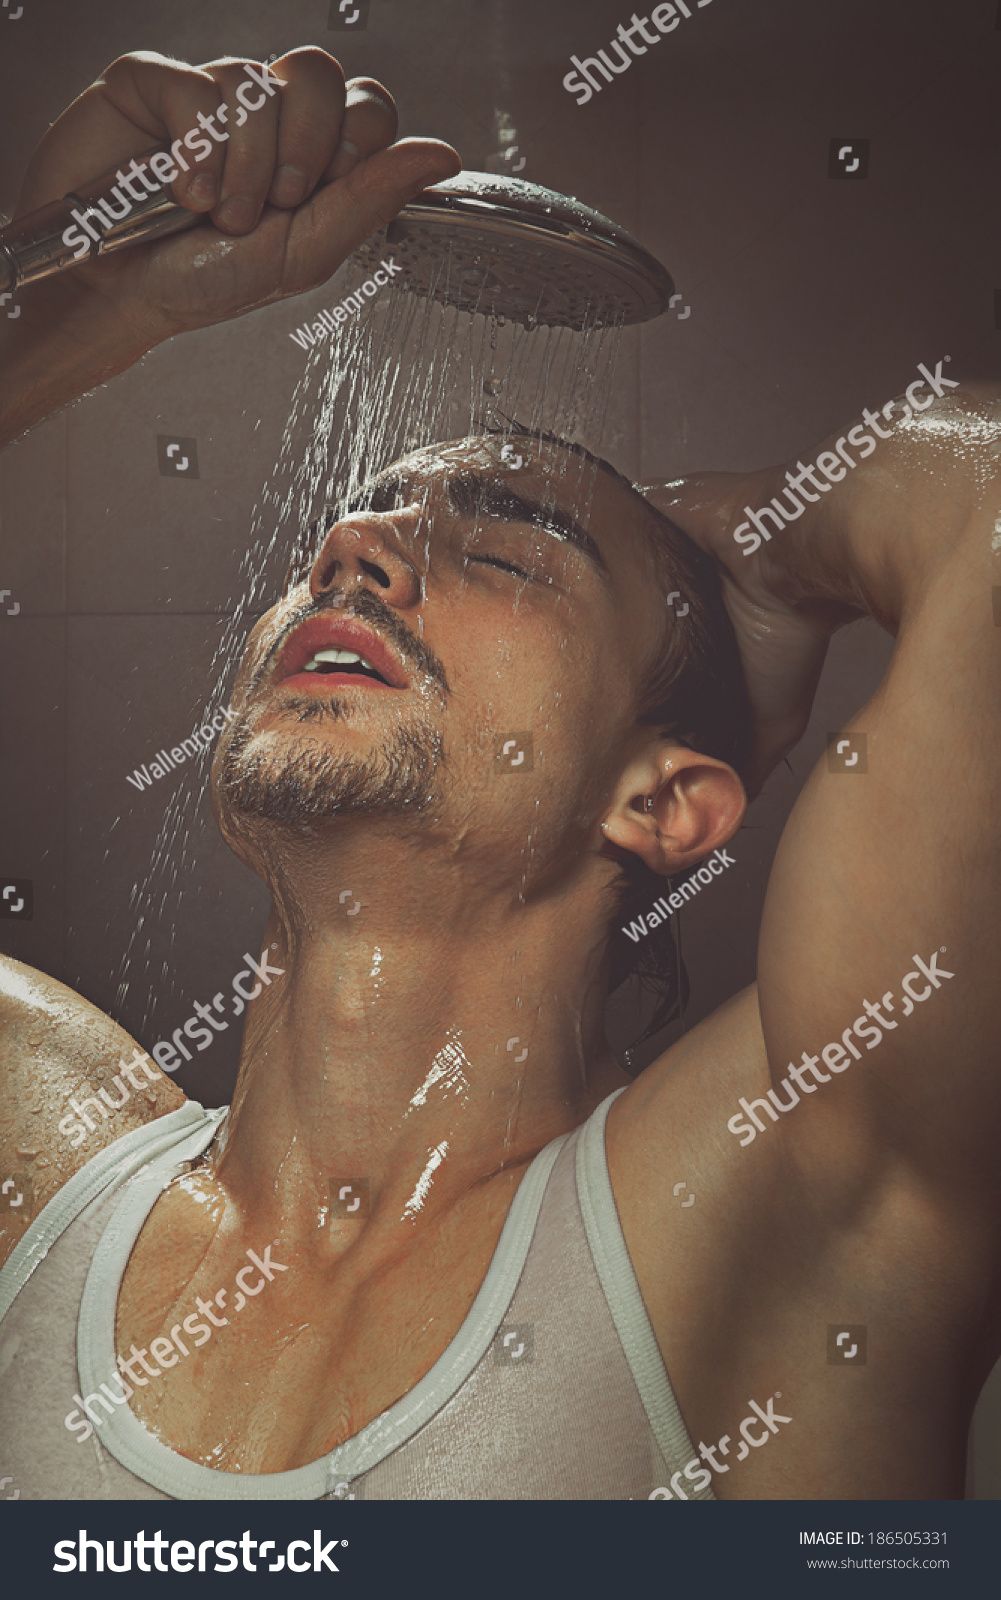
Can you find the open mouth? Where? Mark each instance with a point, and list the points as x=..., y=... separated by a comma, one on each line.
x=326, y=662
x=331, y=652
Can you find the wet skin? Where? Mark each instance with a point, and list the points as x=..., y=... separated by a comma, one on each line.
x=484, y=916
x=503, y=884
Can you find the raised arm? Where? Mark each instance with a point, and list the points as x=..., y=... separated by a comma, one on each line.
x=838, y=1121
x=888, y=874
x=316, y=171
x=291, y=191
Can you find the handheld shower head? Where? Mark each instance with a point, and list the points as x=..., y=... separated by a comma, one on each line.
x=515, y=250
x=496, y=245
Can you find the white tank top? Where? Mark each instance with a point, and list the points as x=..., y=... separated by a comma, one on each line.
x=552, y=1389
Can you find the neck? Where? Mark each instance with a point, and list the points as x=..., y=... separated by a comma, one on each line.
x=417, y=1043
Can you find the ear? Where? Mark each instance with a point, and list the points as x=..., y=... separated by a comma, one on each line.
x=672, y=806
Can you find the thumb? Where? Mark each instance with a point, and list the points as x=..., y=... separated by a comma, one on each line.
x=341, y=215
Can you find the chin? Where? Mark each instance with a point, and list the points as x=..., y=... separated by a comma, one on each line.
x=292, y=776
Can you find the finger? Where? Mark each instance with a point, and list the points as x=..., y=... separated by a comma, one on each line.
x=175, y=103
x=247, y=119
x=703, y=504
x=342, y=214
x=369, y=124
x=312, y=108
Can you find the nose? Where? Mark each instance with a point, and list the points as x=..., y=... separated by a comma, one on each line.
x=362, y=552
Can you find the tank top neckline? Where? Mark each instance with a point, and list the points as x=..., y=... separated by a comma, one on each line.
x=142, y=1454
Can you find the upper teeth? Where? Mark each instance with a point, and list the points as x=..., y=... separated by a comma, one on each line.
x=340, y=658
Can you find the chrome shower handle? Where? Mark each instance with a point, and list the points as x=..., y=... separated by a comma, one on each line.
x=34, y=246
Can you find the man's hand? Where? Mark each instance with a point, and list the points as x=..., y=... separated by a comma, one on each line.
x=875, y=542
x=782, y=633
x=289, y=194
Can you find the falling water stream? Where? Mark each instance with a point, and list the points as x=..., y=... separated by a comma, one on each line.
x=404, y=372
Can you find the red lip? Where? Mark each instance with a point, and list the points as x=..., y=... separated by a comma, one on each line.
x=337, y=633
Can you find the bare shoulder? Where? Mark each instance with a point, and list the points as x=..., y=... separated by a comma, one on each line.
x=71, y=1082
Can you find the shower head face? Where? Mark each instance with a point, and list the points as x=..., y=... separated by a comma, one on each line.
x=514, y=250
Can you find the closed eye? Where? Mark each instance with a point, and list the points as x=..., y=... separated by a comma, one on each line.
x=505, y=566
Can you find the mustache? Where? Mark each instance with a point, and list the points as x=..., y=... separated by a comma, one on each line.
x=366, y=607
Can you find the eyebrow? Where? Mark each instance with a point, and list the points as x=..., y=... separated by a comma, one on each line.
x=472, y=494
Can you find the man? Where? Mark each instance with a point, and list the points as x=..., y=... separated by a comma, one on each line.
x=389, y=1237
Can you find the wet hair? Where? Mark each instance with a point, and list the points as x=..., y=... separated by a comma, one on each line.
x=694, y=693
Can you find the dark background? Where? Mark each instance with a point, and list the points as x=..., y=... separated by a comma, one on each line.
x=810, y=298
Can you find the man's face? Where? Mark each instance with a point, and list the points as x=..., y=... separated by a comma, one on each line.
x=501, y=605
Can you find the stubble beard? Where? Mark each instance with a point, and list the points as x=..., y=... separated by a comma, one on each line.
x=298, y=781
